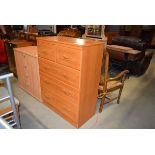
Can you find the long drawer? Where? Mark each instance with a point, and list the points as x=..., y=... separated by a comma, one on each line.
x=58, y=88
x=62, y=73
x=70, y=57
x=61, y=105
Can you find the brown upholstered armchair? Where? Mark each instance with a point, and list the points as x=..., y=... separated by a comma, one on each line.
x=130, y=53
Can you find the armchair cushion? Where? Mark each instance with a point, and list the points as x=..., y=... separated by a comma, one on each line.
x=128, y=41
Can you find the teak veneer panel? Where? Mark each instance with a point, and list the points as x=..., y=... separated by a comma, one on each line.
x=70, y=74
x=28, y=70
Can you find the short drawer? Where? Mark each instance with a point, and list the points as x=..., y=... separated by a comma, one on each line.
x=68, y=56
x=60, y=105
x=65, y=74
x=46, y=50
x=59, y=89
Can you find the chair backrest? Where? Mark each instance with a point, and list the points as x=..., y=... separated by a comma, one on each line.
x=106, y=69
x=120, y=77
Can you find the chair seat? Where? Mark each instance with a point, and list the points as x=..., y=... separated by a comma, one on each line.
x=113, y=85
x=118, y=48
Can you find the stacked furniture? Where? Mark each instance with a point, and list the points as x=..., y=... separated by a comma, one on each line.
x=130, y=53
x=27, y=69
x=69, y=32
x=69, y=74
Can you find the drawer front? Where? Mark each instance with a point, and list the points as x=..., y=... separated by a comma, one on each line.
x=59, y=89
x=59, y=104
x=46, y=50
x=68, y=56
x=62, y=73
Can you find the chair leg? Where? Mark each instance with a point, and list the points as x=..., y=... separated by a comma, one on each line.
x=119, y=95
x=102, y=103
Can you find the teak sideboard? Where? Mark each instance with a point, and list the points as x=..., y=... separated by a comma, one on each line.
x=27, y=69
x=69, y=71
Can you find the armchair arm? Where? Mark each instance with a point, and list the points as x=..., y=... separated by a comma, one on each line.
x=119, y=76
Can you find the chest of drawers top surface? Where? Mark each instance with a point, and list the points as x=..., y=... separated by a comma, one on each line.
x=70, y=41
x=29, y=50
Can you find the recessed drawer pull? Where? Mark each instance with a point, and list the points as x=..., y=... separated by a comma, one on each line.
x=27, y=84
x=46, y=68
x=65, y=57
x=65, y=76
x=47, y=97
x=45, y=52
x=46, y=82
x=66, y=93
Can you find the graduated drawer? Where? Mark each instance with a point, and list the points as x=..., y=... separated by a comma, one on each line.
x=60, y=89
x=46, y=50
x=69, y=56
x=65, y=74
x=65, y=109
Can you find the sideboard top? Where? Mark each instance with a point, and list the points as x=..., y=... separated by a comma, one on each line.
x=29, y=50
x=69, y=40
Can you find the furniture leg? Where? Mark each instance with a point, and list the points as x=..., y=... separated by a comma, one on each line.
x=102, y=103
x=119, y=96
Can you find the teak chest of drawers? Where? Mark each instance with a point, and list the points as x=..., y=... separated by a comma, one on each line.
x=27, y=69
x=69, y=71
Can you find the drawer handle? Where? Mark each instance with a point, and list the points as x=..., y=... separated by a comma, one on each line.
x=46, y=82
x=66, y=93
x=27, y=84
x=65, y=57
x=65, y=76
x=48, y=98
x=46, y=68
x=44, y=52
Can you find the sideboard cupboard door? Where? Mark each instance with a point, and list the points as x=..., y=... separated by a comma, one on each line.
x=33, y=78
x=27, y=70
x=19, y=58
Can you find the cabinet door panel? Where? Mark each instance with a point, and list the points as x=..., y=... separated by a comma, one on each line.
x=20, y=65
x=33, y=76
x=28, y=74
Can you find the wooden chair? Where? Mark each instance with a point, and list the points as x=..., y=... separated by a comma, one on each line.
x=111, y=84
